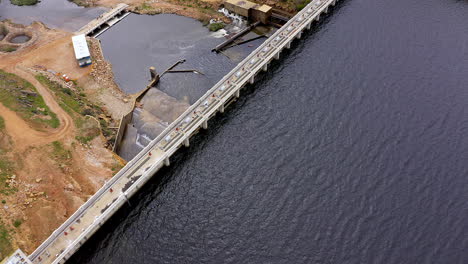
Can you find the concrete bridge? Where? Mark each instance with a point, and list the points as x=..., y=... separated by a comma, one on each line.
x=69, y=237
x=105, y=21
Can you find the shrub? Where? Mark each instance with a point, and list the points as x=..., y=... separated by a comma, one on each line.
x=17, y=223
x=24, y=2
x=301, y=5
x=215, y=26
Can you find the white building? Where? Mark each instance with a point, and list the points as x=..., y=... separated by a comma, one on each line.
x=81, y=50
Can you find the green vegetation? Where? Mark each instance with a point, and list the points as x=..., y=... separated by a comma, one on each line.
x=83, y=112
x=2, y=123
x=5, y=241
x=145, y=6
x=83, y=3
x=7, y=48
x=17, y=223
x=216, y=26
x=3, y=30
x=301, y=5
x=59, y=151
x=20, y=96
x=6, y=172
x=3, y=202
x=147, y=9
x=24, y=2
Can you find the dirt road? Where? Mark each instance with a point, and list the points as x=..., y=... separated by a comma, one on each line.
x=53, y=180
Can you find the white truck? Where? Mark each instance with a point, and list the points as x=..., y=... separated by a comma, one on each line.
x=81, y=50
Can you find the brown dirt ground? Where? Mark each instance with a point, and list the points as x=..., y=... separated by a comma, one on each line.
x=50, y=188
x=203, y=10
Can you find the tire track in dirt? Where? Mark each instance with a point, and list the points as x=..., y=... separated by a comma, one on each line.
x=21, y=132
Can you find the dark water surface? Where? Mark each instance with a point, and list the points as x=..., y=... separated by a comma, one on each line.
x=20, y=39
x=160, y=41
x=54, y=13
x=352, y=149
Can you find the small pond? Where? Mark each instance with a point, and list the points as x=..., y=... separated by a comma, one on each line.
x=20, y=39
x=54, y=13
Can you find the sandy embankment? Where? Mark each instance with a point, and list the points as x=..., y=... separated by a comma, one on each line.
x=51, y=187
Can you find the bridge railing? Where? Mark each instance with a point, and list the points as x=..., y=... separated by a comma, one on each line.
x=231, y=83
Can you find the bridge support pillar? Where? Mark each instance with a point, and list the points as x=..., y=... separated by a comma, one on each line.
x=265, y=67
x=186, y=142
x=277, y=55
x=288, y=45
x=166, y=161
x=252, y=79
x=308, y=26
x=317, y=18
x=326, y=10
x=205, y=124
x=238, y=93
x=333, y=3
x=299, y=35
x=221, y=109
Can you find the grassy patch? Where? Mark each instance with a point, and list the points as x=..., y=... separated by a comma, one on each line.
x=5, y=241
x=145, y=6
x=24, y=2
x=2, y=123
x=7, y=48
x=215, y=26
x=6, y=171
x=3, y=30
x=22, y=97
x=75, y=103
x=17, y=223
x=301, y=5
x=59, y=151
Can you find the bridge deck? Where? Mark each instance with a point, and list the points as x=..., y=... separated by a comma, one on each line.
x=90, y=216
x=95, y=23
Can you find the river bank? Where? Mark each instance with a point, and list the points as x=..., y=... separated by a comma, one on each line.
x=352, y=150
x=53, y=136
x=202, y=10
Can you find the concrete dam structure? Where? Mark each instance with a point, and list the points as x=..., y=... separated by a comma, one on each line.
x=97, y=26
x=76, y=230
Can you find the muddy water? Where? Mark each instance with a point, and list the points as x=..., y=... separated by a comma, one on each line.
x=54, y=13
x=160, y=41
x=20, y=39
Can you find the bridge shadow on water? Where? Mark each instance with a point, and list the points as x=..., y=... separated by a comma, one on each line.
x=144, y=200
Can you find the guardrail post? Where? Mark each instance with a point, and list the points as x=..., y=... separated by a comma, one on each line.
x=299, y=35
x=166, y=161
x=205, y=124
x=265, y=67
x=186, y=142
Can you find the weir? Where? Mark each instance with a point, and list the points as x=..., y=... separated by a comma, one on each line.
x=105, y=21
x=76, y=230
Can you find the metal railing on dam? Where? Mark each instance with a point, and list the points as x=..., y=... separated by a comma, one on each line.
x=109, y=18
x=69, y=237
